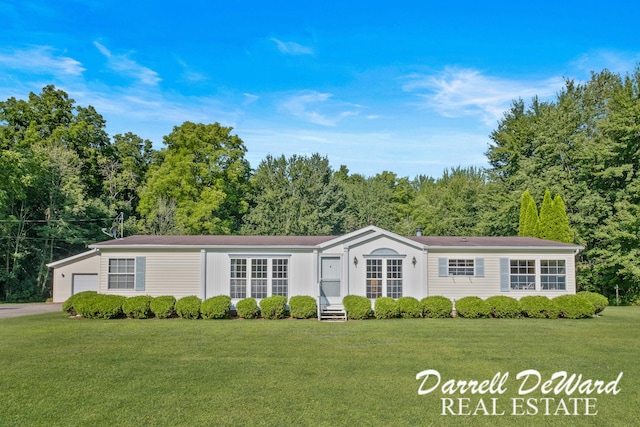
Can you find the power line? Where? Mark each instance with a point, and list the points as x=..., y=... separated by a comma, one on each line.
x=55, y=220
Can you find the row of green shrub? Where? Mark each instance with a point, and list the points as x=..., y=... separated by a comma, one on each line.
x=100, y=306
x=581, y=305
x=359, y=307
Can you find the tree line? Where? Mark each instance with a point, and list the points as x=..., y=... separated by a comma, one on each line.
x=64, y=178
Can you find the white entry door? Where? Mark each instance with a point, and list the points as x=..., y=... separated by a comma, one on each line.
x=330, y=283
x=84, y=282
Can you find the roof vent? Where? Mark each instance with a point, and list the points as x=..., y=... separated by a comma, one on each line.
x=418, y=231
x=464, y=239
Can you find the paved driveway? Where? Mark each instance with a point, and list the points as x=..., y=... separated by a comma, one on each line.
x=15, y=310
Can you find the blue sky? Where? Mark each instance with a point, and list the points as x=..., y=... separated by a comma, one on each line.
x=408, y=87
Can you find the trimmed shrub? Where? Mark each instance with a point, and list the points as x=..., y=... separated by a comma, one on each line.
x=386, y=308
x=100, y=306
x=357, y=307
x=436, y=307
x=188, y=307
x=472, y=308
x=273, y=307
x=137, y=307
x=69, y=304
x=409, y=307
x=539, y=307
x=504, y=307
x=303, y=307
x=163, y=307
x=216, y=307
x=248, y=308
x=600, y=302
x=574, y=307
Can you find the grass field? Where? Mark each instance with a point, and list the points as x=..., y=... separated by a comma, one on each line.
x=72, y=372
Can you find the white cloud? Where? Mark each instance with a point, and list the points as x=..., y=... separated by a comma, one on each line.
x=126, y=66
x=41, y=60
x=369, y=152
x=459, y=92
x=292, y=48
x=318, y=108
x=614, y=61
x=189, y=75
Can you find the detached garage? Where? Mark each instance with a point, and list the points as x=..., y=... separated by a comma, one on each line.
x=75, y=274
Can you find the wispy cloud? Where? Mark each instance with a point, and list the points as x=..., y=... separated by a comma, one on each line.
x=292, y=48
x=614, y=61
x=458, y=92
x=318, y=108
x=41, y=60
x=190, y=75
x=249, y=98
x=128, y=67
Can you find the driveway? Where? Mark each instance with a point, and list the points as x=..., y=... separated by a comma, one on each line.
x=15, y=310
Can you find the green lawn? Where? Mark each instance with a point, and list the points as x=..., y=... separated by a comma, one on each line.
x=61, y=371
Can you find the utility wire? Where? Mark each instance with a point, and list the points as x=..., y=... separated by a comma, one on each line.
x=56, y=220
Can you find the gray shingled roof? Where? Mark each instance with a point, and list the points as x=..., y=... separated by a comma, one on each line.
x=203, y=241
x=508, y=241
x=311, y=241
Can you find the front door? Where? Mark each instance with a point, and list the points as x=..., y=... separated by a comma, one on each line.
x=330, y=285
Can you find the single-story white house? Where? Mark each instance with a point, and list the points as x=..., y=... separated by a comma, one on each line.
x=371, y=262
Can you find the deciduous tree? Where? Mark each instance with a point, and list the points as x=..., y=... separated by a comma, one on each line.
x=202, y=170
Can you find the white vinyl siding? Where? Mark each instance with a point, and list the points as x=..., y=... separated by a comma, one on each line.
x=489, y=283
x=300, y=270
x=167, y=272
x=87, y=264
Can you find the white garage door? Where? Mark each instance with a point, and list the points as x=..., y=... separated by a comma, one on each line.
x=84, y=282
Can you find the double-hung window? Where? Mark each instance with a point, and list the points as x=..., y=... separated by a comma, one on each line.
x=258, y=277
x=238, y=282
x=374, y=278
x=467, y=267
x=522, y=274
x=394, y=278
x=384, y=275
x=280, y=277
x=553, y=274
x=121, y=273
x=461, y=267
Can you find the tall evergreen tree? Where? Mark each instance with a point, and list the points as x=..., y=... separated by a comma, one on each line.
x=547, y=218
x=562, y=229
x=528, y=226
x=583, y=145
